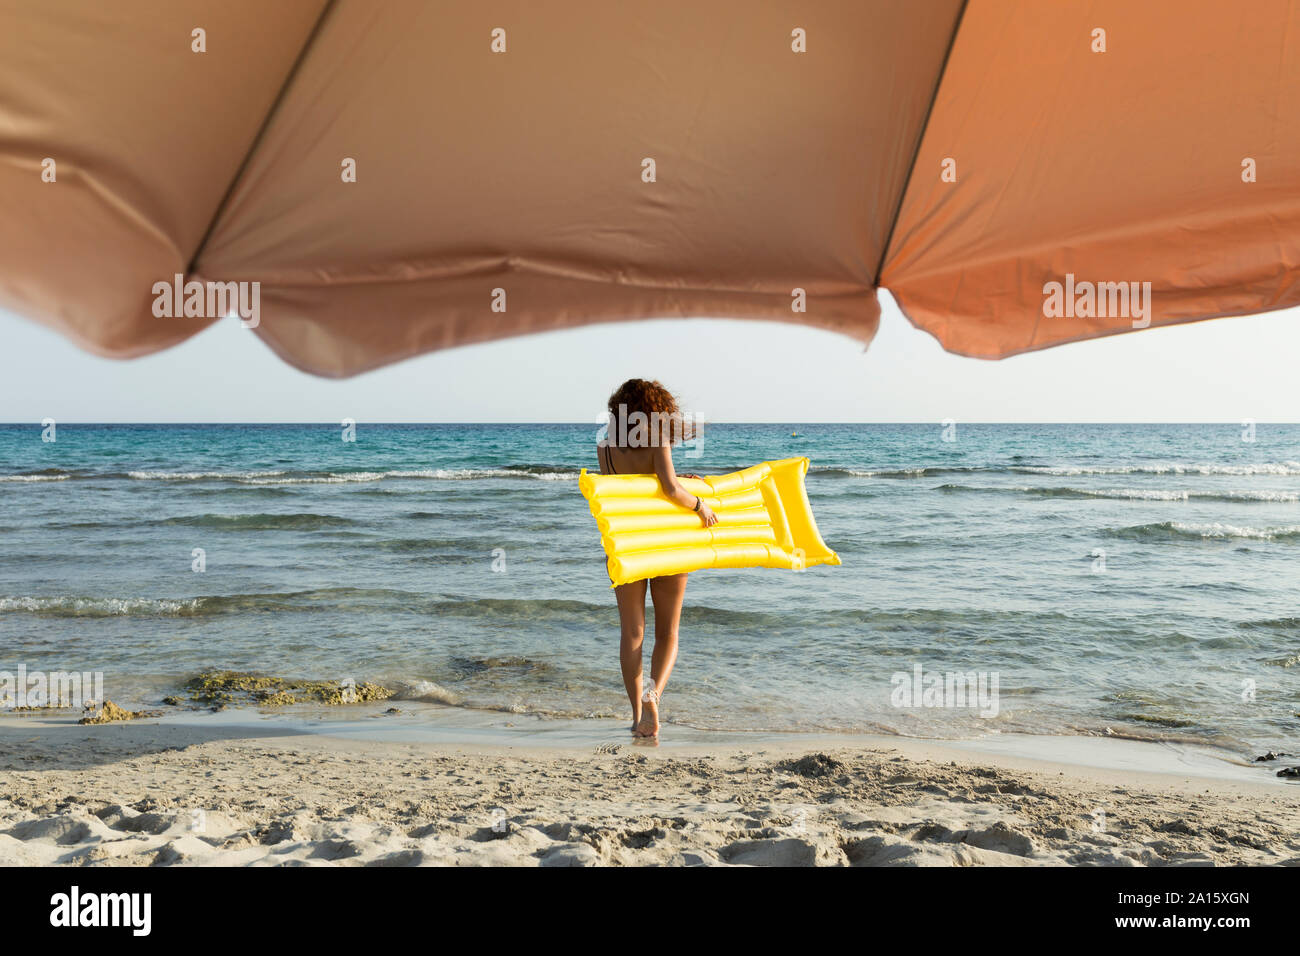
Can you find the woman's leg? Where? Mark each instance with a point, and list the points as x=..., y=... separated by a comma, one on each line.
x=631, y=616
x=667, y=594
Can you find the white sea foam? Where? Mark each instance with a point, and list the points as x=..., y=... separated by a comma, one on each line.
x=200, y=475
x=1218, y=529
x=887, y=473
x=1284, y=468
x=1157, y=494
x=1280, y=497
x=1171, y=468
x=95, y=607
x=425, y=690
x=1134, y=494
x=338, y=478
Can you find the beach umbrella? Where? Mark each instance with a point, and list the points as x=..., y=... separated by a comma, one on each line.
x=378, y=180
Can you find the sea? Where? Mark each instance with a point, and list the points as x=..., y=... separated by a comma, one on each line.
x=1126, y=580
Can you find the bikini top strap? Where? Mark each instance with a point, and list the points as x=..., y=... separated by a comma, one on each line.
x=609, y=460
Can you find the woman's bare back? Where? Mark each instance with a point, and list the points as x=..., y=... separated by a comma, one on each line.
x=624, y=461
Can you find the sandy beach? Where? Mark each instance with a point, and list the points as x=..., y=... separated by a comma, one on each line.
x=444, y=787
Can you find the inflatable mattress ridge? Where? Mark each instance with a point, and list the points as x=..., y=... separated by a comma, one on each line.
x=764, y=520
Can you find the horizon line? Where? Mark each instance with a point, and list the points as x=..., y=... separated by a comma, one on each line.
x=1233, y=422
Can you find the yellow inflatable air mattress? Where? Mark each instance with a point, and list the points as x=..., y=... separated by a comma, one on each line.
x=764, y=521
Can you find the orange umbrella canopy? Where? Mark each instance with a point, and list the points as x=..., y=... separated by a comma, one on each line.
x=405, y=176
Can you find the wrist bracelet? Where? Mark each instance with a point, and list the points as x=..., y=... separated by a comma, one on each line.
x=698, y=501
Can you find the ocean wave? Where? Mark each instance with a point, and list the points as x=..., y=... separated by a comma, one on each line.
x=330, y=599
x=885, y=473
x=423, y=690
x=247, y=491
x=47, y=474
x=427, y=545
x=517, y=610
x=1130, y=494
x=279, y=477
x=193, y=475
x=1265, y=468
x=1273, y=624
x=260, y=522
x=536, y=472
x=1149, y=734
x=430, y=474
x=1178, y=530
x=1161, y=468
x=99, y=607
x=426, y=691
x=340, y=599
x=552, y=472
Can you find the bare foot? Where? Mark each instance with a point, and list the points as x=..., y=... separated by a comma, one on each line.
x=648, y=725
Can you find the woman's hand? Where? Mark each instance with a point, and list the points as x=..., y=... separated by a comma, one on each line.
x=688, y=476
x=707, y=516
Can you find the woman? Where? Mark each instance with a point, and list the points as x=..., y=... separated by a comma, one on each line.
x=644, y=423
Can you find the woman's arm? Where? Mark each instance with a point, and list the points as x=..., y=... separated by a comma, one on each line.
x=663, y=459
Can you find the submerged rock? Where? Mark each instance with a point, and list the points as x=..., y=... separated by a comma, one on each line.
x=229, y=687
x=110, y=712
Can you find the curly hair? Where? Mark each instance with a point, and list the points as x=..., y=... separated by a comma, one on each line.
x=649, y=402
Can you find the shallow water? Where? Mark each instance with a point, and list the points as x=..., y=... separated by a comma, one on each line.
x=375, y=560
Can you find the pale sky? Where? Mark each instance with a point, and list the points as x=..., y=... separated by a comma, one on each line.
x=1225, y=370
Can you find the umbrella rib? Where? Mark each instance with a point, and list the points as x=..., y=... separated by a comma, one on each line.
x=266, y=122
x=920, y=138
